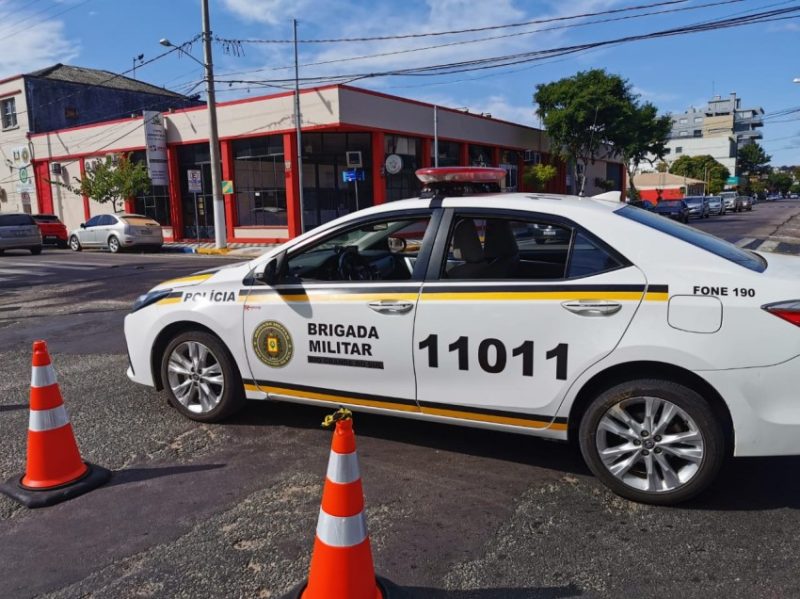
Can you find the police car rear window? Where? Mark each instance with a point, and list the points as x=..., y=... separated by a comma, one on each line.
x=715, y=245
x=15, y=220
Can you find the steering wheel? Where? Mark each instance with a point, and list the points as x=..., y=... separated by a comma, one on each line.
x=354, y=267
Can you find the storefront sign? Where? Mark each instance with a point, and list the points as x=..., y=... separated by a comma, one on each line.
x=155, y=139
x=351, y=175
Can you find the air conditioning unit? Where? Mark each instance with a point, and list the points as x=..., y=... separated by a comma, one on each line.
x=55, y=168
x=532, y=157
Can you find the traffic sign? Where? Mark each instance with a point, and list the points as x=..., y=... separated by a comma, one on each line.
x=195, y=180
x=353, y=174
x=227, y=187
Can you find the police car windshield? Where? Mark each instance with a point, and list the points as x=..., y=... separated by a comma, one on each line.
x=715, y=245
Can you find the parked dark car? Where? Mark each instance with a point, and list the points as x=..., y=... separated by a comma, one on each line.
x=675, y=209
x=698, y=206
x=747, y=202
x=53, y=230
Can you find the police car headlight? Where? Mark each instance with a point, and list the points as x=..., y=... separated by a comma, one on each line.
x=150, y=298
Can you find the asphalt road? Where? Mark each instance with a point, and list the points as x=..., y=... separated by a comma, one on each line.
x=230, y=510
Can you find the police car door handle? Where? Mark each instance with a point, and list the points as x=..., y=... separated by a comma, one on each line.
x=391, y=306
x=589, y=307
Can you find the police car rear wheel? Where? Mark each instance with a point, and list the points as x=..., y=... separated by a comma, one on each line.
x=652, y=441
x=201, y=378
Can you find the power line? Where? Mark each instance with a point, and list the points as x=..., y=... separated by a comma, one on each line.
x=526, y=57
x=54, y=15
x=485, y=39
x=450, y=32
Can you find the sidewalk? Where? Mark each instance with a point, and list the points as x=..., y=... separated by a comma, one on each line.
x=246, y=250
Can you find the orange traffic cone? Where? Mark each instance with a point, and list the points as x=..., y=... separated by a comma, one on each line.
x=55, y=471
x=341, y=563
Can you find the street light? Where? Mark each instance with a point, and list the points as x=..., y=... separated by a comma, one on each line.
x=213, y=134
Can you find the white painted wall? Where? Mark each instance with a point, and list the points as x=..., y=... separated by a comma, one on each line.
x=10, y=196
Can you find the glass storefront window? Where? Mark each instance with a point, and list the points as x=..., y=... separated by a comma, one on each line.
x=197, y=208
x=155, y=203
x=326, y=195
x=259, y=181
x=449, y=153
x=480, y=155
x=405, y=183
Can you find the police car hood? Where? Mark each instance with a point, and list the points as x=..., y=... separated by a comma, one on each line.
x=236, y=270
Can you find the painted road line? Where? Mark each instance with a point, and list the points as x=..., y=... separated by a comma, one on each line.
x=744, y=242
x=17, y=273
x=768, y=246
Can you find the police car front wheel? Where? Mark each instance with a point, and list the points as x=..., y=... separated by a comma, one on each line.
x=653, y=441
x=201, y=378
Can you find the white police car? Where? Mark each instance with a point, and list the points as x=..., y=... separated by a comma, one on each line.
x=659, y=348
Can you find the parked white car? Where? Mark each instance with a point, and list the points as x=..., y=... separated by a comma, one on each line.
x=625, y=337
x=117, y=232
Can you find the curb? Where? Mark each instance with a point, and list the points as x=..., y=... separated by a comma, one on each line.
x=178, y=249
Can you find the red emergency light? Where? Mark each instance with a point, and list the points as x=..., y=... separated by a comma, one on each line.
x=461, y=174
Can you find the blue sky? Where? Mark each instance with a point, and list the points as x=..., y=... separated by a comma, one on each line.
x=758, y=62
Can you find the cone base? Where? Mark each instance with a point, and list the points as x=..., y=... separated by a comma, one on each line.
x=36, y=498
x=384, y=588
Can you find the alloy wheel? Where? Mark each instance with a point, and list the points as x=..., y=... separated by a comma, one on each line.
x=650, y=444
x=195, y=377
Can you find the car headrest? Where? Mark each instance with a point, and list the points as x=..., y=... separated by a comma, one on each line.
x=466, y=242
x=500, y=240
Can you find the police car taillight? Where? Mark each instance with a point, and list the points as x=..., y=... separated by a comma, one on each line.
x=789, y=311
x=461, y=174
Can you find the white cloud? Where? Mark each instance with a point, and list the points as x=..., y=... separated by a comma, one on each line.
x=270, y=12
x=35, y=48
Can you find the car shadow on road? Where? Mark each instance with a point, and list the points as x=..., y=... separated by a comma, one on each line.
x=511, y=447
x=747, y=484
x=497, y=593
x=134, y=475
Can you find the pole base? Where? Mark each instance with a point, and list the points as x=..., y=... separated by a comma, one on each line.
x=384, y=586
x=36, y=498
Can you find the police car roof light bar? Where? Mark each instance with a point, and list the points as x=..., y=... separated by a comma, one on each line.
x=461, y=174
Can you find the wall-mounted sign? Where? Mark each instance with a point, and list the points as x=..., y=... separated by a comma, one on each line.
x=227, y=187
x=155, y=139
x=353, y=159
x=353, y=174
x=195, y=180
x=393, y=164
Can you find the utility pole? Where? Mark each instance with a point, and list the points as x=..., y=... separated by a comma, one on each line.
x=435, y=136
x=298, y=130
x=213, y=135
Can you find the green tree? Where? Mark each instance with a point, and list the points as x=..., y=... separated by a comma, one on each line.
x=780, y=181
x=642, y=137
x=539, y=175
x=583, y=113
x=704, y=168
x=752, y=160
x=112, y=179
x=662, y=167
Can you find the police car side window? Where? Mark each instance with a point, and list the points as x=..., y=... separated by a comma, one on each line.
x=377, y=251
x=519, y=249
x=509, y=249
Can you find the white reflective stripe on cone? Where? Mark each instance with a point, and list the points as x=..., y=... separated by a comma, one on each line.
x=43, y=376
x=47, y=420
x=343, y=467
x=337, y=531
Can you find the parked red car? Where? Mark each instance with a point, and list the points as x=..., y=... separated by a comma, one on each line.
x=53, y=230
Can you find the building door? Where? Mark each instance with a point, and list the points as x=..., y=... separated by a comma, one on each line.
x=198, y=207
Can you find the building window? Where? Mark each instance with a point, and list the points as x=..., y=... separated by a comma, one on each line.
x=684, y=133
x=154, y=203
x=698, y=133
x=667, y=151
x=8, y=111
x=405, y=183
x=683, y=121
x=448, y=153
x=679, y=150
x=698, y=119
x=480, y=155
x=259, y=181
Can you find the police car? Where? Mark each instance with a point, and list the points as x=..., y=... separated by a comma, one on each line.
x=660, y=349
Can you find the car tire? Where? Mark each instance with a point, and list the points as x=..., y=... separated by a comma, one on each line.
x=222, y=400
x=113, y=244
x=75, y=244
x=673, y=479
x=36, y=250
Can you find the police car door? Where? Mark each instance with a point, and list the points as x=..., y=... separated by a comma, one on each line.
x=514, y=307
x=337, y=325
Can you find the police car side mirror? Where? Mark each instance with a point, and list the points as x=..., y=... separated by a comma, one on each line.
x=273, y=270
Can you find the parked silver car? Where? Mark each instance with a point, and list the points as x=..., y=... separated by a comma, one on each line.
x=747, y=202
x=19, y=231
x=716, y=206
x=116, y=232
